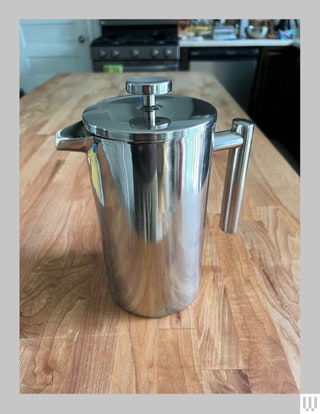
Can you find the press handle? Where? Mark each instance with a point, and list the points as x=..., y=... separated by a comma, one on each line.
x=148, y=87
x=238, y=141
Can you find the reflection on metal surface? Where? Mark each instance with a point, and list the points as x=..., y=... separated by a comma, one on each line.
x=95, y=172
x=152, y=219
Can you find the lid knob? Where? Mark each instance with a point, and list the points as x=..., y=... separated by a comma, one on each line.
x=148, y=87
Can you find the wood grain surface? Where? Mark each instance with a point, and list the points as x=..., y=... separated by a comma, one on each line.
x=241, y=333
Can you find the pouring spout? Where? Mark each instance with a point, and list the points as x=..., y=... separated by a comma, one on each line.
x=74, y=138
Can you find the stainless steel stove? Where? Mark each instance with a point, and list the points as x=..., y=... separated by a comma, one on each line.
x=136, y=45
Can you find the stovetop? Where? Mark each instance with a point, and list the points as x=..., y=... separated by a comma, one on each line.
x=141, y=46
x=127, y=40
x=130, y=33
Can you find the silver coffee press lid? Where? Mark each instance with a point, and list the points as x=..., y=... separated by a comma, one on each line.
x=149, y=114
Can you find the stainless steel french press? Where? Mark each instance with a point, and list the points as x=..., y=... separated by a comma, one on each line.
x=149, y=156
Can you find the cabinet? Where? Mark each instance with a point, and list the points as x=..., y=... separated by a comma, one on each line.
x=275, y=100
x=51, y=46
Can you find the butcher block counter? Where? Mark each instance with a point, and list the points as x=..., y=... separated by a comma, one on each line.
x=240, y=335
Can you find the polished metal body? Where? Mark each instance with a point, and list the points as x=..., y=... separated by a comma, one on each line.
x=150, y=182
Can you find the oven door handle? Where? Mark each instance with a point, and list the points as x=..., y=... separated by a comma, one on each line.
x=150, y=67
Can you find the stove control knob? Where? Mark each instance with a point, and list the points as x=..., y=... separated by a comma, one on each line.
x=102, y=53
x=135, y=53
x=168, y=53
x=155, y=53
x=115, y=53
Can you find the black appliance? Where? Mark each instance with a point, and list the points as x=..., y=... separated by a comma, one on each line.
x=136, y=45
x=234, y=67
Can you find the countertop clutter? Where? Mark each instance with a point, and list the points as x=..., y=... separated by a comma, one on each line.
x=234, y=33
x=241, y=333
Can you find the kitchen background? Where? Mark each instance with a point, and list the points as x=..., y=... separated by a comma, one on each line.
x=257, y=61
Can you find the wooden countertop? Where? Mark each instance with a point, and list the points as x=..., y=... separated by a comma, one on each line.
x=240, y=334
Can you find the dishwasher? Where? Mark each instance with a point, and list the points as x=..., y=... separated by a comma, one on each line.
x=234, y=67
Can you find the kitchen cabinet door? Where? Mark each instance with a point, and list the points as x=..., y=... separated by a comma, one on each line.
x=275, y=101
x=48, y=47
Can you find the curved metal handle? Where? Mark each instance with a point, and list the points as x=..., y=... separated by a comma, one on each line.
x=238, y=141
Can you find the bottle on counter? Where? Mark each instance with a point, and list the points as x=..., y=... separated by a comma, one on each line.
x=242, y=29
